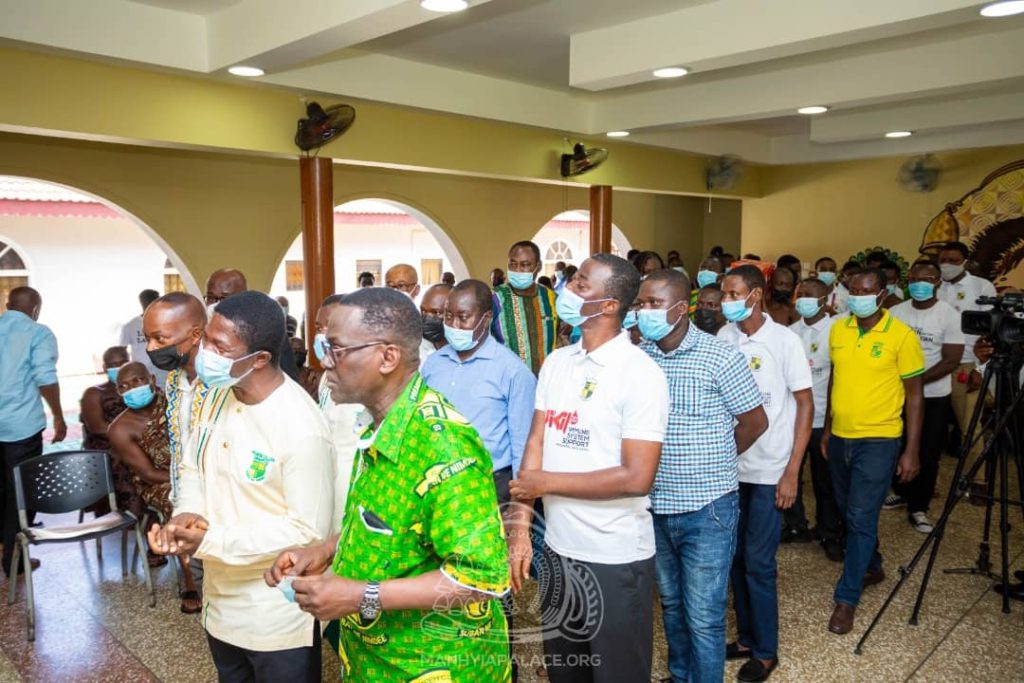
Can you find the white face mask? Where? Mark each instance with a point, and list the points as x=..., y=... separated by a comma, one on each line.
x=951, y=271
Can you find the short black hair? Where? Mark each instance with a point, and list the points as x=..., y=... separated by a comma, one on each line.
x=752, y=257
x=927, y=263
x=332, y=300
x=787, y=260
x=890, y=265
x=823, y=258
x=527, y=244
x=259, y=321
x=677, y=282
x=392, y=316
x=148, y=296
x=958, y=246
x=717, y=251
x=714, y=286
x=816, y=283
x=570, y=270
x=481, y=293
x=751, y=276
x=879, y=256
x=545, y=281
x=631, y=254
x=644, y=256
x=851, y=265
x=877, y=273
x=623, y=283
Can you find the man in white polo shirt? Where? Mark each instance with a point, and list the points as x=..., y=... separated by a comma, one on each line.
x=593, y=452
x=769, y=470
x=938, y=328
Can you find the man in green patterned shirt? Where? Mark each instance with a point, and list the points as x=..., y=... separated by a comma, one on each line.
x=421, y=561
x=526, y=320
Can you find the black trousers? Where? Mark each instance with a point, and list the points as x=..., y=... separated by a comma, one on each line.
x=598, y=620
x=919, y=490
x=12, y=453
x=828, y=519
x=238, y=665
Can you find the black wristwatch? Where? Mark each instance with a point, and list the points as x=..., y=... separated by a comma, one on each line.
x=369, y=606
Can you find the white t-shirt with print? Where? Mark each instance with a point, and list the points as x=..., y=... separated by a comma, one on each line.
x=934, y=326
x=962, y=297
x=776, y=358
x=814, y=339
x=591, y=402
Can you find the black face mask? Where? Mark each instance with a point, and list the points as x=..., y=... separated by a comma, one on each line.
x=300, y=358
x=168, y=358
x=433, y=329
x=706, y=320
x=783, y=296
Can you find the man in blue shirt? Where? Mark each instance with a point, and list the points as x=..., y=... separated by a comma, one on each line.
x=716, y=413
x=28, y=372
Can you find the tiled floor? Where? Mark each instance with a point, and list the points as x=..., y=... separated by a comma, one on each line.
x=92, y=625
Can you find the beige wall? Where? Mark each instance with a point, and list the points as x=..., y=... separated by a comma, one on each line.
x=841, y=208
x=216, y=210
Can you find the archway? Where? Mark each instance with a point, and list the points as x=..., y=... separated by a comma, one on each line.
x=566, y=237
x=371, y=235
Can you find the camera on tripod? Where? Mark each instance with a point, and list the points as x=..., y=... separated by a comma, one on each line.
x=1001, y=324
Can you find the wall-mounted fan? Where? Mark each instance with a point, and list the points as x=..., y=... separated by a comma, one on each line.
x=582, y=159
x=723, y=172
x=920, y=174
x=323, y=125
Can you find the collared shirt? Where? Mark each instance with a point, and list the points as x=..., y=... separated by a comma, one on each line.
x=422, y=499
x=528, y=324
x=426, y=351
x=262, y=475
x=345, y=421
x=776, y=358
x=709, y=385
x=814, y=339
x=963, y=296
x=494, y=390
x=184, y=401
x=591, y=403
x=868, y=369
x=28, y=360
x=935, y=326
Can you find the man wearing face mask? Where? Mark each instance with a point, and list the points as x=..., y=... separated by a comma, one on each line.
x=257, y=478
x=780, y=306
x=827, y=273
x=432, y=314
x=527, y=319
x=814, y=328
x=404, y=278
x=769, y=471
x=938, y=328
x=877, y=364
x=100, y=404
x=593, y=451
x=708, y=314
x=694, y=497
x=709, y=272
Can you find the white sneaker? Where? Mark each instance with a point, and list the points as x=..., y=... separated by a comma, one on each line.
x=920, y=522
x=893, y=501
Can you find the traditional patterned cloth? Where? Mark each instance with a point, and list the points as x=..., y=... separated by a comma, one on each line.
x=127, y=497
x=176, y=434
x=155, y=444
x=422, y=498
x=112, y=406
x=528, y=324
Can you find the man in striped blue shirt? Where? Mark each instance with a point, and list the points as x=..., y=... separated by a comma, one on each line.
x=715, y=415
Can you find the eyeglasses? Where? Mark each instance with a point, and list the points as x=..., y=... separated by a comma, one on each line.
x=332, y=354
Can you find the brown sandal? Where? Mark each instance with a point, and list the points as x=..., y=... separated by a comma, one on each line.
x=191, y=595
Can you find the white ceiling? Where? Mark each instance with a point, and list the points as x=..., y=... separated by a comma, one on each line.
x=935, y=67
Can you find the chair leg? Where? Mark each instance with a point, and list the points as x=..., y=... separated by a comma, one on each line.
x=99, y=549
x=81, y=516
x=145, y=567
x=139, y=548
x=12, y=578
x=30, y=604
x=124, y=553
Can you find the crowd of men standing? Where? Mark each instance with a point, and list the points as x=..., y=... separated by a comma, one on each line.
x=456, y=444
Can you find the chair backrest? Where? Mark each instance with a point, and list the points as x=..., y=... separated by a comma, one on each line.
x=62, y=482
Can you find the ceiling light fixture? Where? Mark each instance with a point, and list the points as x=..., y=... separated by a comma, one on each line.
x=617, y=133
x=670, y=72
x=815, y=109
x=898, y=134
x=246, y=71
x=444, y=5
x=1006, y=8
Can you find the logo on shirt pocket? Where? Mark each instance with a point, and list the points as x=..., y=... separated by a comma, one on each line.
x=257, y=470
x=876, y=349
x=755, y=363
x=588, y=389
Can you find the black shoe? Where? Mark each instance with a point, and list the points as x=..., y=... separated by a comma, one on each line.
x=733, y=651
x=1016, y=591
x=833, y=549
x=754, y=671
x=790, y=535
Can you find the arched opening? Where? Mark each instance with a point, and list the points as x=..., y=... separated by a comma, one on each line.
x=566, y=237
x=372, y=235
x=13, y=271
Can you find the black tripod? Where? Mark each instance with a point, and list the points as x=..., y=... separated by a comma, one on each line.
x=1004, y=445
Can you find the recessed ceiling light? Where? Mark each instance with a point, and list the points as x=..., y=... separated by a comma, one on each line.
x=898, y=134
x=1003, y=9
x=617, y=133
x=246, y=71
x=816, y=109
x=670, y=72
x=444, y=5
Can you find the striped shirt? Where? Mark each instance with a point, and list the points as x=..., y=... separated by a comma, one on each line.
x=528, y=324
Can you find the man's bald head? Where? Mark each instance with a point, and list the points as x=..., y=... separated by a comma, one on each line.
x=404, y=278
x=178, y=306
x=133, y=370
x=25, y=300
x=224, y=283
x=433, y=301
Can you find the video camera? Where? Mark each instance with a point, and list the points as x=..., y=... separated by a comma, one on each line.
x=1001, y=324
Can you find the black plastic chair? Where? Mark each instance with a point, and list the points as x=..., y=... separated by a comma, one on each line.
x=63, y=482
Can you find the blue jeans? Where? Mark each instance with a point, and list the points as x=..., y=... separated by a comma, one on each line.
x=695, y=551
x=754, y=570
x=861, y=473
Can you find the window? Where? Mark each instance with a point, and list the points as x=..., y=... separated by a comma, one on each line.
x=370, y=266
x=558, y=251
x=172, y=278
x=430, y=271
x=13, y=272
x=294, y=276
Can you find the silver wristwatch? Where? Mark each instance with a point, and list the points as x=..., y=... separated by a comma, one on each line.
x=369, y=606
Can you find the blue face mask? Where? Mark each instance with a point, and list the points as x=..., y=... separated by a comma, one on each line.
x=139, y=397
x=214, y=370
x=461, y=340
x=706, y=277
x=654, y=324
x=112, y=374
x=736, y=311
x=891, y=289
x=520, y=280
x=630, y=322
x=569, y=307
x=921, y=291
x=863, y=306
x=807, y=307
x=827, y=277
x=319, y=342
